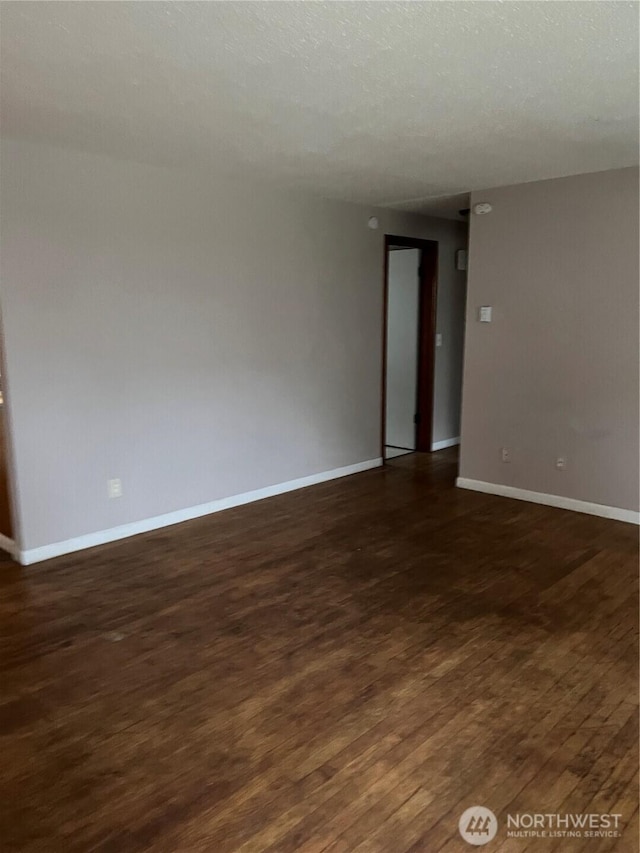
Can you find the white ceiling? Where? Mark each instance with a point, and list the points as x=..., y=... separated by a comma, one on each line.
x=396, y=104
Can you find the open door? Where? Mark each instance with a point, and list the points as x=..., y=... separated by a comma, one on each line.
x=428, y=278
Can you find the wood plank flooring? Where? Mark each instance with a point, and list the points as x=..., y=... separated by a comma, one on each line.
x=342, y=669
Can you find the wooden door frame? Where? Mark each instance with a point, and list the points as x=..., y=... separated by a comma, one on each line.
x=427, y=303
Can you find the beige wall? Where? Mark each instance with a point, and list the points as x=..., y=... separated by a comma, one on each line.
x=194, y=336
x=556, y=372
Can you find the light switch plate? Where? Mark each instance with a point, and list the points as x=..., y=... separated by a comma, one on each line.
x=438, y=340
x=485, y=314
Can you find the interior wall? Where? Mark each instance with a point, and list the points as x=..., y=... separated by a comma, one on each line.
x=556, y=372
x=402, y=347
x=194, y=336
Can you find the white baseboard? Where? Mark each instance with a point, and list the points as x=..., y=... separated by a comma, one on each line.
x=90, y=540
x=550, y=500
x=9, y=546
x=447, y=442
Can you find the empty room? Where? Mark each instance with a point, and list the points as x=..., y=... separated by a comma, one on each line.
x=319, y=426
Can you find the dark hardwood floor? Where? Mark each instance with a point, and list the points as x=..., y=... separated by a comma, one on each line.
x=341, y=669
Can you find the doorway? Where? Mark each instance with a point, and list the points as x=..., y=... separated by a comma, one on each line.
x=410, y=299
x=6, y=521
x=7, y=524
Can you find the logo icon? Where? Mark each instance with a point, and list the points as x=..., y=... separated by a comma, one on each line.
x=478, y=825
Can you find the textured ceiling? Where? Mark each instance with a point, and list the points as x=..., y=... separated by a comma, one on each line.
x=396, y=104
